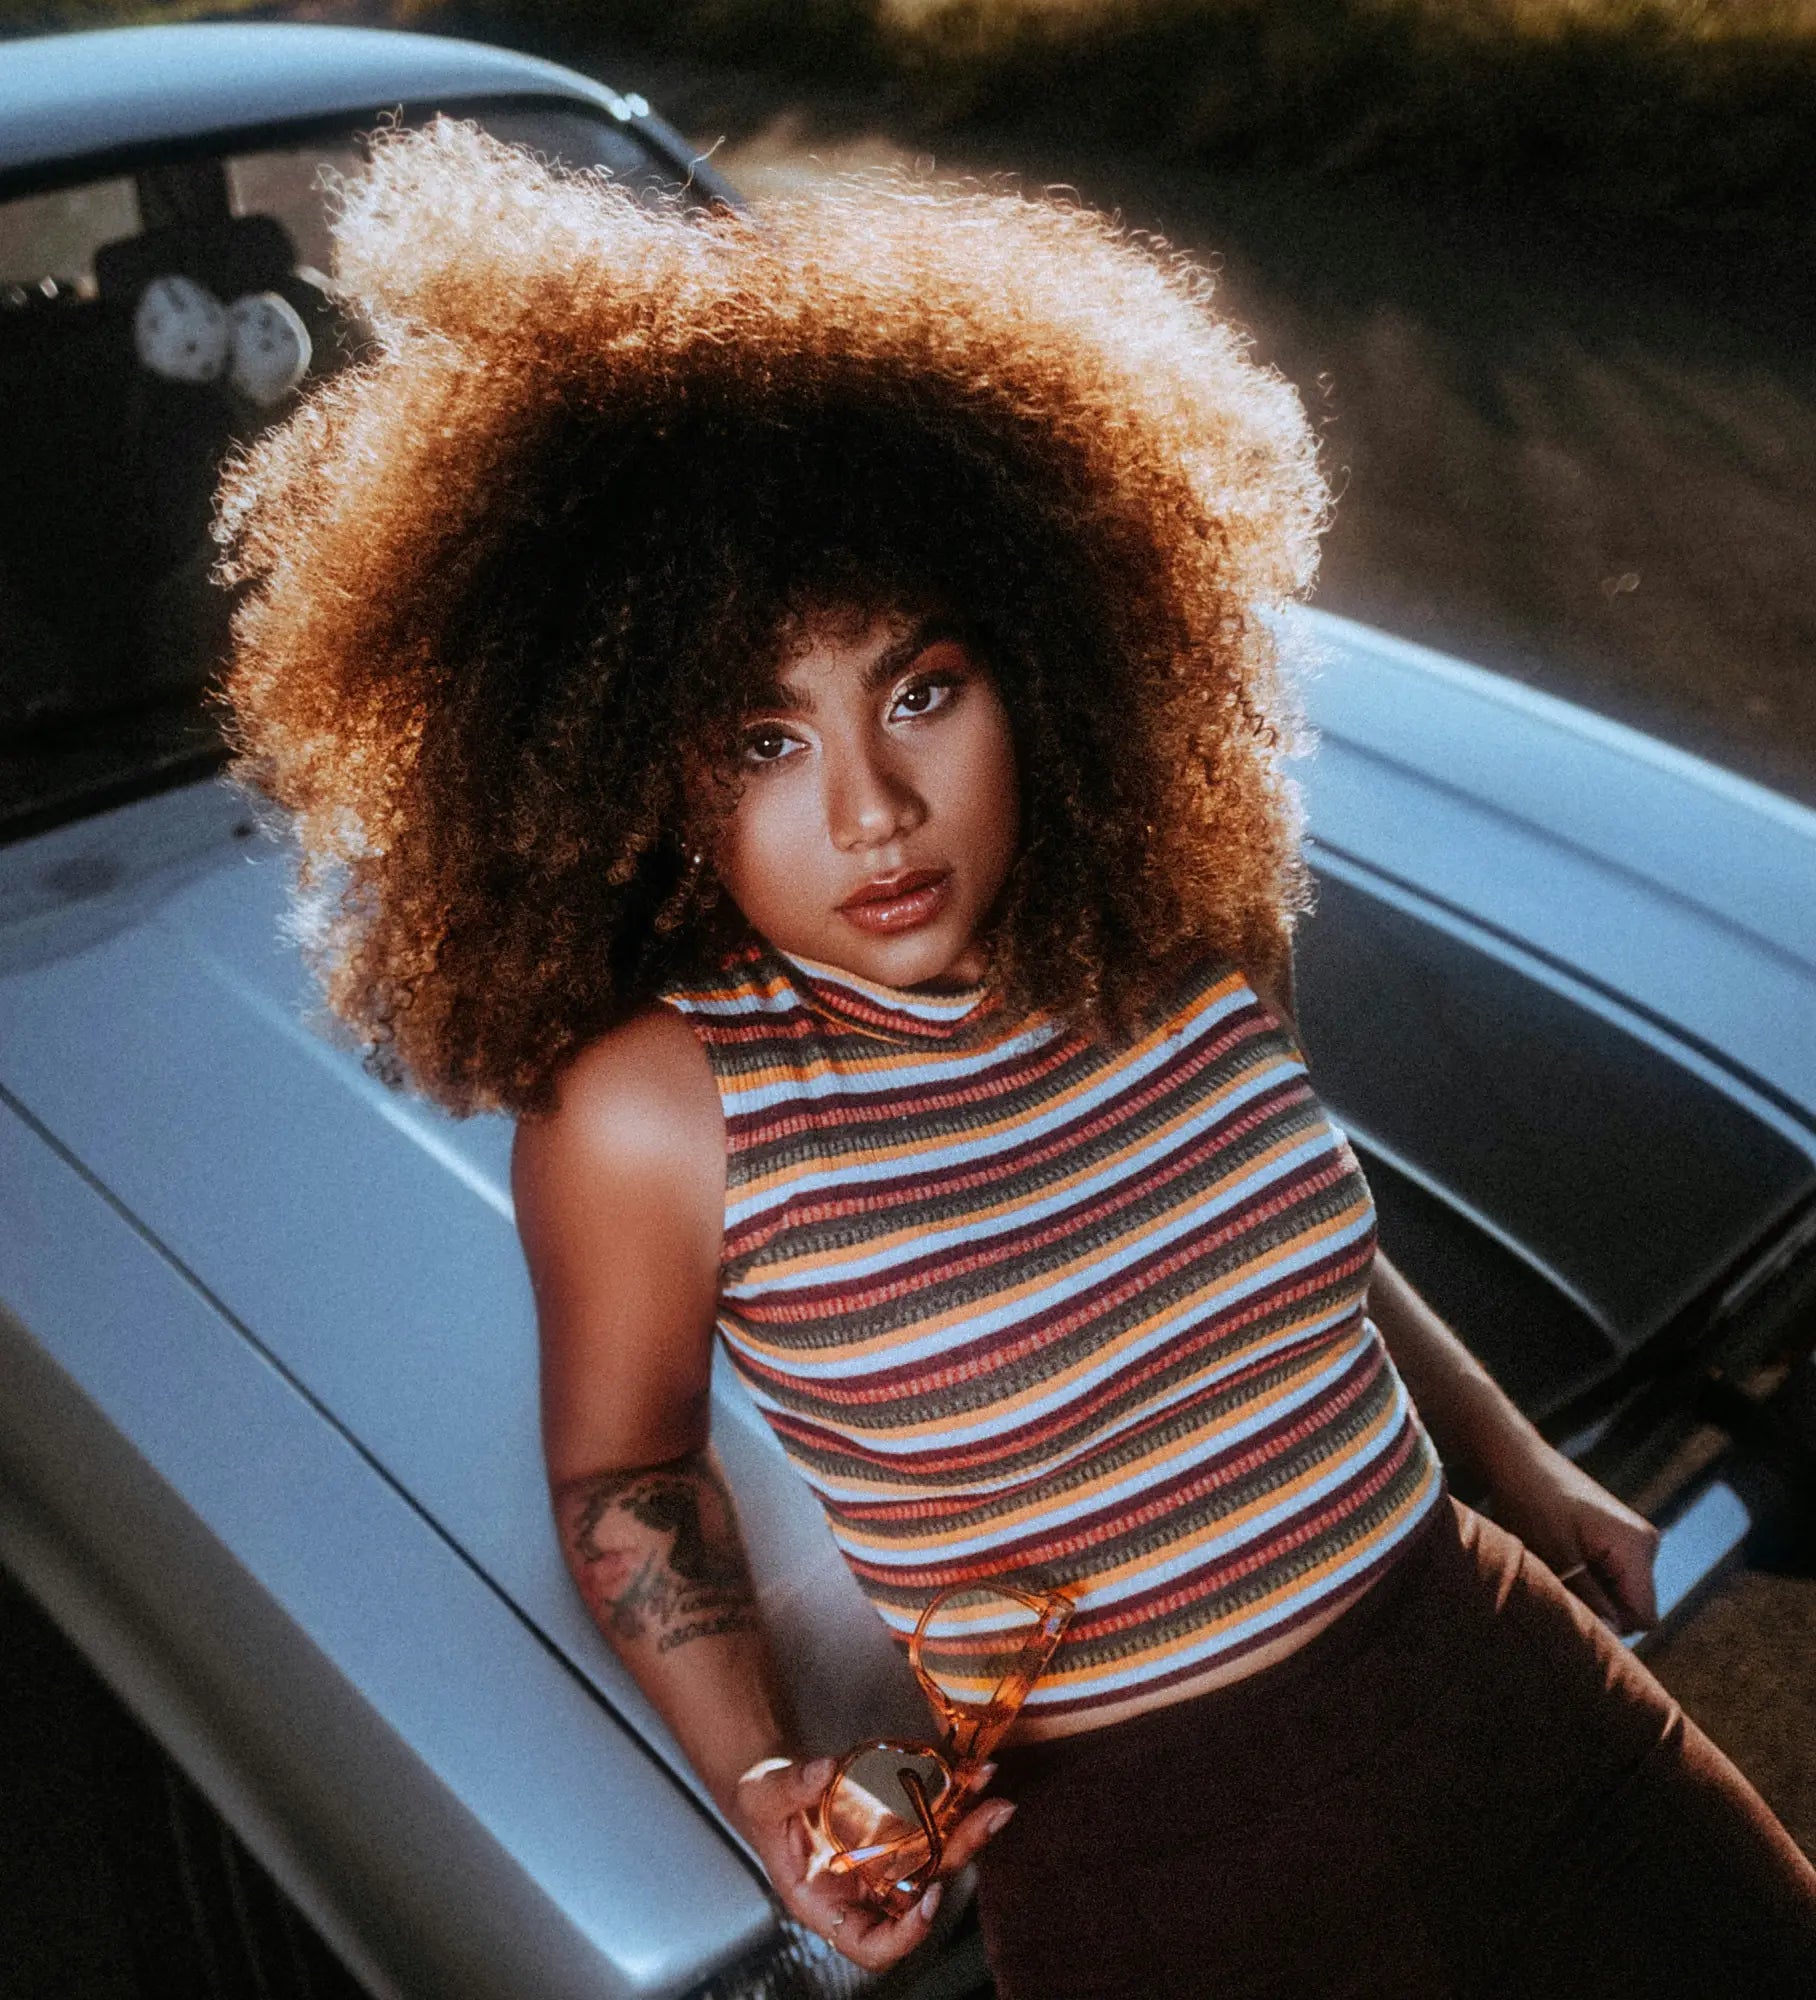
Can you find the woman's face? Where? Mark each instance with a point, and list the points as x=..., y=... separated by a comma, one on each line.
x=882, y=755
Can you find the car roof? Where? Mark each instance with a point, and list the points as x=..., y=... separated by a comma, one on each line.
x=81, y=97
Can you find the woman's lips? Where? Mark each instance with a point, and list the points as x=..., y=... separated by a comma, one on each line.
x=905, y=910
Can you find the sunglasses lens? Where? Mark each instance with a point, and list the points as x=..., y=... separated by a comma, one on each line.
x=976, y=1641
x=871, y=1813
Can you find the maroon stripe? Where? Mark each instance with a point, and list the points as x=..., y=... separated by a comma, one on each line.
x=837, y=1455
x=1197, y=1591
x=967, y=1511
x=1341, y=1504
x=1368, y=1573
x=870, y=1100
x=920, y=1188
x=1164, y=1602
x=861, y=1103
x=857, y=1106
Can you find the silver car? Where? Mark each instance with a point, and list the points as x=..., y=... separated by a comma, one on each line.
x=268, y=1436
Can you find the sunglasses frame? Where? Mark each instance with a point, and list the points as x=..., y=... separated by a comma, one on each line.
x=969, y=1732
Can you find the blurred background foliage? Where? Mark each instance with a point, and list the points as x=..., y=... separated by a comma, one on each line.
x=1695, y=111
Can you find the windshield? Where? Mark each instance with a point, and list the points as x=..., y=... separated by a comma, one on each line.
x=149, y=323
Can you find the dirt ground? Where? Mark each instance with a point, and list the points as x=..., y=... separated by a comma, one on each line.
x=1579, y=451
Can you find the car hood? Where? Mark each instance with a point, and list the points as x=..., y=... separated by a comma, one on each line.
x=102, y=91
x=1672, y=887
x=156, y=1023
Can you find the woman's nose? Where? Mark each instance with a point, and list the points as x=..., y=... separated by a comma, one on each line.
x=869, y=802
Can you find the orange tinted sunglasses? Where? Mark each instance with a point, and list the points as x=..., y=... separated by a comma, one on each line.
x=886, y=1814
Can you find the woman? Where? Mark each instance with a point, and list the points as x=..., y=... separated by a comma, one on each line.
x=790, y=711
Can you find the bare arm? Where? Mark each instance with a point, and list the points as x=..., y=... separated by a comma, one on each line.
x=1475, y=1422
x=657, y=1556
x=1471, y=1418
x=620, y=1202
x=1597, y=1543
x=620, y=1195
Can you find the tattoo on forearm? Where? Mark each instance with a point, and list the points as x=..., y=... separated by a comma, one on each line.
x=697, y=1587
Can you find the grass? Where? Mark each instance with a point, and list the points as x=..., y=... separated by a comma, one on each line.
x=1693, y=111
x=1698, y=111
x=46, y=17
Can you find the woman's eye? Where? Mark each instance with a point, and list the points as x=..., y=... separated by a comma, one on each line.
x=766, y=746
x=944, y=686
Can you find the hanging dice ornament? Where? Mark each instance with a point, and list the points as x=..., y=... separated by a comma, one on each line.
x=180, y=330
x=270, y=346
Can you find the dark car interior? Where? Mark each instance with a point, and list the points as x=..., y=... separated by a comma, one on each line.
x=110, y=627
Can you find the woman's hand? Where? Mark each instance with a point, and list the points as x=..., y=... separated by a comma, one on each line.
x=773, y=1813
x=1598, y=1547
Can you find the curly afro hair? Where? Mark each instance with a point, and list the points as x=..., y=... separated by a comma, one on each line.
x=607, y=458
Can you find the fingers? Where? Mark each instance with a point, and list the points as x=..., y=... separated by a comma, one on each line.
x=1616, y=1583
x=779, y=1811
x=776, y=1814
x=1623, y=1567
x=783, y=1798
x=1635, y=1597
x=872, y=1939
x=875, y=1941
x=837, y=1908
x=1643, y=1596
x=969, y=1836
x=978, y=1779
x=1583, y=1582
x=807, y=1781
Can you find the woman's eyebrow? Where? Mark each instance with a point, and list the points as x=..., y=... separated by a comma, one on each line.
x=782, y=697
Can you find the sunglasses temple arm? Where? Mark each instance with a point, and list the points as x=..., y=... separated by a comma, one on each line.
x=917, y=1795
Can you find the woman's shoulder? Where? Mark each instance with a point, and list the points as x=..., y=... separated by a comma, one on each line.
x=637, y=1106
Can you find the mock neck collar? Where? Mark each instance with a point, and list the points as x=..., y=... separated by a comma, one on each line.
x=943, y=1011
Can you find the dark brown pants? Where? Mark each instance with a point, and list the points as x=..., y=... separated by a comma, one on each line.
x=1464, y=1787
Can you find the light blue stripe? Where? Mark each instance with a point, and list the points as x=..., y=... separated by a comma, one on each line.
x=978, y=1229
x=1209, y=1116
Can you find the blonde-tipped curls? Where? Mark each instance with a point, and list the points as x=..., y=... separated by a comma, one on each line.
x=602, y=458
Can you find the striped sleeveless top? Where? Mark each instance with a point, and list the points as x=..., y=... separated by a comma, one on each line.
x=1023, y=1307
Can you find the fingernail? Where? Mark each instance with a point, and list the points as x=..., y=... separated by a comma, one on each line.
x=819, y=1772
x=985, y=1772
x=1002, y=1816
x=931, y=1901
